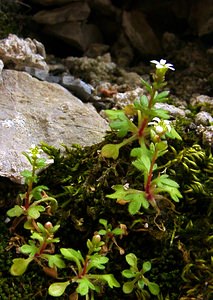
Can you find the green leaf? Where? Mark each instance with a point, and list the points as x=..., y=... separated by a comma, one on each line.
x=102, y=232
x=97, y=261
x=161, y=97
x=165, y=180
x=73, y=255
x=143, y=163
x=147, y=85
x=29, y=249
x=37, y=191
x=120, y=122
x=55, y=261
x=110, y=151
x=134, y=207
x=154, y=288
x=83, y=286
x=58, y=288
x=110, y=279
x=117, y=231
x=141, y=284
x=141, y=103
x=34, y=211
x=128, y=287
x=131, y=259
x=41, y=163
x=120, y=192
x=173, y=134
x=27, y=174
x=160, y=113
x=103, y=222
x=137, y=200
x=37, y=236
x=19, y=266
x=128, y=273
x=16, y=211
x=146, y=266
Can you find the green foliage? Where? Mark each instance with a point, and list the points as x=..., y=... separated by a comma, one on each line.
x=143, y=181
x=151, y=129
x=84, y=276
x=139, y=281
x=35, y=201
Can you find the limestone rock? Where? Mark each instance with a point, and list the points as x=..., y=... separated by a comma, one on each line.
x=75, y=11
x=20, y=52
x=33, y=111
x=140, y=33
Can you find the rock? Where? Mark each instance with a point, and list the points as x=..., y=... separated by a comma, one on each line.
x=140, y=33
x=77, y=34
x=18, y=53
x=123, y=51
x=92, y=70
x=33, y=111
x=203, y=102
x=94, y=50
x=206, y=134
x=203, y=118
x=75, y=11
x=78, y=87
x=1, y=68
x=201, y=17
x=53, y=2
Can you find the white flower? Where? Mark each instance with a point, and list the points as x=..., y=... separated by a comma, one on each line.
x=162, y=64
x=126, y=186
x=160, y=126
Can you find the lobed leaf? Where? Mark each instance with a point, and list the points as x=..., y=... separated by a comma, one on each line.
x=84, y=285
x=16, y=211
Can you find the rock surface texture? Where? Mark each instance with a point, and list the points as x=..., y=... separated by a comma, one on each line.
x=18, y=53
x=129, y=28
x=33, y=111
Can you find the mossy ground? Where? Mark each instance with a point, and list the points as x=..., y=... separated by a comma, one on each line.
x=80, y=179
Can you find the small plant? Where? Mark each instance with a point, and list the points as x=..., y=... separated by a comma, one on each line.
x=151, y=127
x=110, y=234
x=139, y=281
x=40, y=248
x=35, y=201
x=83, y=271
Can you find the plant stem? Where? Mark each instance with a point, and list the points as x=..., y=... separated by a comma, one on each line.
x=149, y=179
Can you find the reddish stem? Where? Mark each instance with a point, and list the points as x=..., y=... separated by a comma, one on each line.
x=84, y=268
x=142, y=127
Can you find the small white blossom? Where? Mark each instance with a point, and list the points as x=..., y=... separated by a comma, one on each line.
x=126, y=186
x=162, y=64
x=160, y=126
x=159, y=129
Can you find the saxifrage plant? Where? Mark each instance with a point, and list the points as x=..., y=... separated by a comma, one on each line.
x=149, y=125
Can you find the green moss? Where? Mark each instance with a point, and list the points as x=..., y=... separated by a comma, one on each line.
x=80, y=179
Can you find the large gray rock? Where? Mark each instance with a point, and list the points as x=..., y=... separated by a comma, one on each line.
x=33, y=111
x=18, y=53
